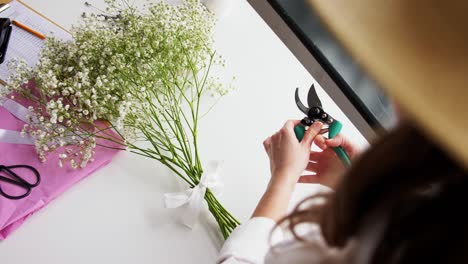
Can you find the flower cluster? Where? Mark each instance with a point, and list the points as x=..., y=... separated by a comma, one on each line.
x=105, y=72
x=129, y=77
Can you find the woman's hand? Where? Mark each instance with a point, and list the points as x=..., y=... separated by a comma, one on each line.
x=289, y=157
x=339, y=141
x=325, y=165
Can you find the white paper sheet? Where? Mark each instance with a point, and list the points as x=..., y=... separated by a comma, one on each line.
x=24, y=45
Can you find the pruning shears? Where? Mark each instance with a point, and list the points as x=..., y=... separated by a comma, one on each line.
x=315, y=113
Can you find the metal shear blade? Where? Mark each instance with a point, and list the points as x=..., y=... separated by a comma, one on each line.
x=299, y=104
x=312, y=98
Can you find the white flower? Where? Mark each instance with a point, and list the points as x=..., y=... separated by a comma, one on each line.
x=73, y=164
x=53, y=118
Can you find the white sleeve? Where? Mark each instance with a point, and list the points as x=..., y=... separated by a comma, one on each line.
x=250, y=242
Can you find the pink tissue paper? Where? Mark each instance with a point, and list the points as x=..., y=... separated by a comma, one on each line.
x=54, y=180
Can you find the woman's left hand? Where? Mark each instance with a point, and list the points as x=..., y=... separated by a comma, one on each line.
x=289, y=157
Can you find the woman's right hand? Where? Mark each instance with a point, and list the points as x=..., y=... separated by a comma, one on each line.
x=325, y=165
x=339, y=141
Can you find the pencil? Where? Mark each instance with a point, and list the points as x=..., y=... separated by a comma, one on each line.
x=28, y=29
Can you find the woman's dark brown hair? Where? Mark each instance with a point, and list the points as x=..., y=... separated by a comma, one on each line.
x=416, y=189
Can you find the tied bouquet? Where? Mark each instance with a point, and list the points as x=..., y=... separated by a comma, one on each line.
x=136, y=78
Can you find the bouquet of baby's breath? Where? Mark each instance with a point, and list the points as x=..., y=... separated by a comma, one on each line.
x=128, y=76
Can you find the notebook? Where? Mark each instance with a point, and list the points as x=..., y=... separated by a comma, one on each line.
x=24, y=45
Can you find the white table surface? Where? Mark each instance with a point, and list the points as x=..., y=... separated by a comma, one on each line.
x=117, y=216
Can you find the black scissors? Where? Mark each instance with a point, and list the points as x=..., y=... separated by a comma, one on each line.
x=8, y=175
x=315, y=113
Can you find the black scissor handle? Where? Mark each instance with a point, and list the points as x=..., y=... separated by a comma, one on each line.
x=18, y=181
x=17, y=197
x=9, y=169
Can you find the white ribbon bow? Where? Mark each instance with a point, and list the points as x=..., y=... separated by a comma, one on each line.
x=192, y=199
x=20, y=112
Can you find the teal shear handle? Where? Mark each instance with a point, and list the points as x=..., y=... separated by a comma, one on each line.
x=299, y=130
x=333, y=130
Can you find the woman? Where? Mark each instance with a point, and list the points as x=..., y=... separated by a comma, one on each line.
x=400, y=201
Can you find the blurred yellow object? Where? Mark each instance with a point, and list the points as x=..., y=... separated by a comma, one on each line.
x=417, y=50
